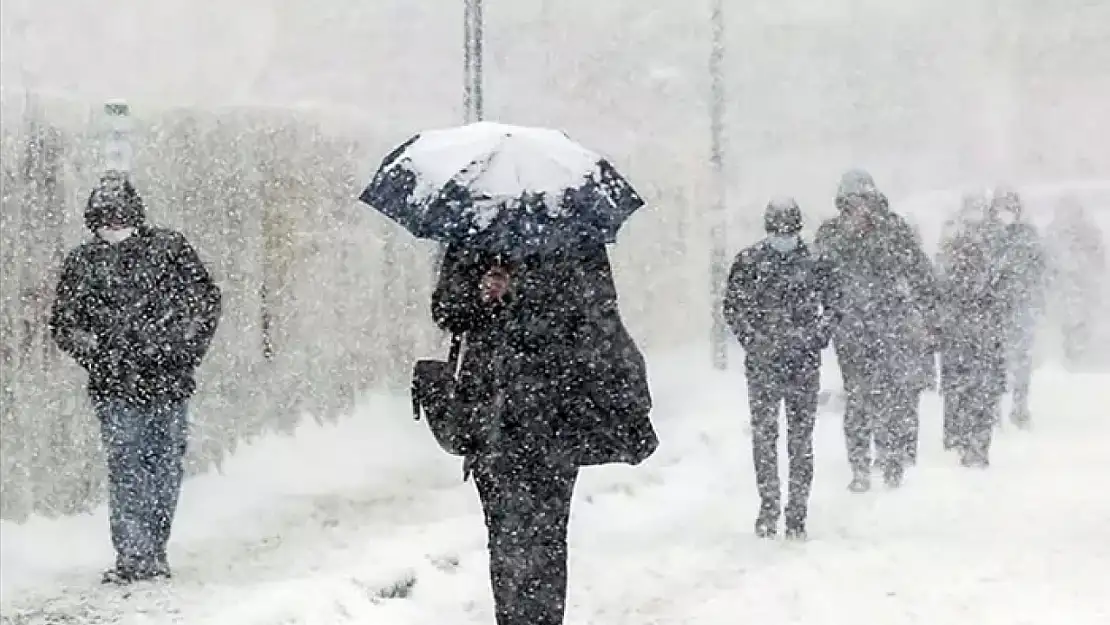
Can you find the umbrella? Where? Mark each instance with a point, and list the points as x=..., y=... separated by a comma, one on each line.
x=501, y=188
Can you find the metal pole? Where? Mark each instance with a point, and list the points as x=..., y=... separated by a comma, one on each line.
x=479, y=59
x=468, y=64
x=718, y=338
x=472, y=60
x=472, y=81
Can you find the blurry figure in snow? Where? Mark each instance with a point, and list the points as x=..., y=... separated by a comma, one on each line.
x=780, y=304
x=554, y=382
x=1020, y=255
x=888, y=308
x=973, y=366
x=137, y=309
x=971, y=217
x=1077, y=262
x=927, y=371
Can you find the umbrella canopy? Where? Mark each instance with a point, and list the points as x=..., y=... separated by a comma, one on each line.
x=502, y=188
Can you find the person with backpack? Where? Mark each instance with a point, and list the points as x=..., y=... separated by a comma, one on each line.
x=781, y=305
x=137, y=309
x=549, y=381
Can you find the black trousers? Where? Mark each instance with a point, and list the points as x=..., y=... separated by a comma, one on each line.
x=883, y=415
x=797, y=388
x=911, y=434
x=146, y=448
x=527, y=510
x=951, y=429
x=972, y=413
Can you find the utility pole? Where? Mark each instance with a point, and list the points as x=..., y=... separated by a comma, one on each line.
x=718, y=338
x=473, y=100
x=473, y=34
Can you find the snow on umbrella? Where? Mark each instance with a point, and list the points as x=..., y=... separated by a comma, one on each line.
x=502, y=188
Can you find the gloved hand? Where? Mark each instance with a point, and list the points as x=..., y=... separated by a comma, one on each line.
x=822, y=336
x=85, y=347
x=758, y=343
x=84, y=343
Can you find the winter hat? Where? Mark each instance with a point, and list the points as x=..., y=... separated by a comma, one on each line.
x=782, y=216
x=114, y=200
x=975, y=206
x=1006, y=200
x=859, y=184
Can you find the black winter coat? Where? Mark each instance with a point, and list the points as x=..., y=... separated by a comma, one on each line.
x=552, y=371
x=781, y=306
x=152, y=308
x=888, y=300
x=1023, y=265
x=976, y=309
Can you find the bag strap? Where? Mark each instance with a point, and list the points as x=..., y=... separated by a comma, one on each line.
x=454, y=355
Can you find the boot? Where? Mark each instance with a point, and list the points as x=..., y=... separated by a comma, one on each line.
x=128, y=572
x=119, y=576
x=893, y=473
x=796, y=530
x=767, y=523
x=795, y=522
x=974, y=459
x=161, y=567
x=861, y=482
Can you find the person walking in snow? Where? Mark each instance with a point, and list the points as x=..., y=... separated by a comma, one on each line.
x=972, y=216
x=553, y=382
x=781, y=305
x=1021, y=259
x=887, y=291
x=1077, y=262
x=974, y=296
x=136, y=308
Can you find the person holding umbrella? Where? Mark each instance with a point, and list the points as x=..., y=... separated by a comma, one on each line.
x=549, y=379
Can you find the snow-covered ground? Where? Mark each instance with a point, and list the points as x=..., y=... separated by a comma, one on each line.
x=366, y=522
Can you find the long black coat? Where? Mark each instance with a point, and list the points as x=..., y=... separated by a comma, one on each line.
x=552, y=370
x=152, y=307
x=888, y=300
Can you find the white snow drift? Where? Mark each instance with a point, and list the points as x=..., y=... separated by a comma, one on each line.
x=367, y=522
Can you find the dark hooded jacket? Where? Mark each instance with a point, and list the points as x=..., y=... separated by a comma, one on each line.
x=551, y=371
x=888, y=294
x=976, y=307
x=148, y=301
x=1019, y=253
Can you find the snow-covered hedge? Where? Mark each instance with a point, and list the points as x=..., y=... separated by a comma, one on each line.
x=324, y=298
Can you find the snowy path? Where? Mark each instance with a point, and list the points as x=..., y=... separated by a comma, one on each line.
x=323, y=528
